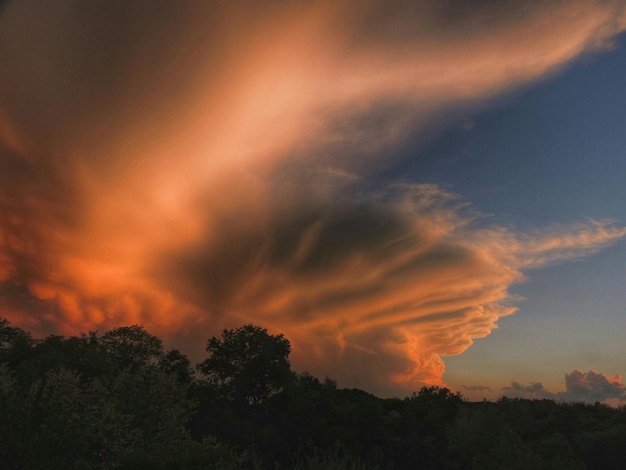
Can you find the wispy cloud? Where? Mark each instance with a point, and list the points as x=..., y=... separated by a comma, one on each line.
x=195, y=165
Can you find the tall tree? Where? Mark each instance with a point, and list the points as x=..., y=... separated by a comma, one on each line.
x=15, y=343
x=132, y=347
x=176, y=363
x=247, y=364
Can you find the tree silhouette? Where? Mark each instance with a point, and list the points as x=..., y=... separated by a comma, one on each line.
x=176, y=363
x=119, y=401
x=247, y=364
x=132, y=347
x=15, y=343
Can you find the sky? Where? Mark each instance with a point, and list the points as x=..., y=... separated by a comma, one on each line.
x=414, y=192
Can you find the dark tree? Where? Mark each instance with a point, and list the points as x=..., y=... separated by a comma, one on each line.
x=247, y=364
x=132, y=347
x=178, y=364
x=15, y=343
x=81, y=354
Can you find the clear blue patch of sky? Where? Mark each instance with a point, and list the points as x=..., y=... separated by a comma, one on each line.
x=554, y=152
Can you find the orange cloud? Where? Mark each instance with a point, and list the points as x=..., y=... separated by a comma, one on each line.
x=374, y=293
x=195, y=165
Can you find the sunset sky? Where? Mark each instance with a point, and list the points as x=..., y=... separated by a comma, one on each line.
x=413, y=192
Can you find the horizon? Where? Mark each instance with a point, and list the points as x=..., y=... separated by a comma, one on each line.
x=580, y=384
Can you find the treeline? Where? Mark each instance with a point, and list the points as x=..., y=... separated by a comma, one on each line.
x=121, y=401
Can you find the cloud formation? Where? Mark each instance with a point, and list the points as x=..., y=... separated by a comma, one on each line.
x=534, y=391
x=593, y=386
x=580, y=386
x=193, y=166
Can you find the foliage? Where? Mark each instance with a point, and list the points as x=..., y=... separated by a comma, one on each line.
x=66, y=403
x=132, y=347
x=120, y=401
x=14, y=342
x=309, y=457
x=247, y=364
x=176, y=363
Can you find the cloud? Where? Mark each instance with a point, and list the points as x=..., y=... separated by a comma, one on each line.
x=593, y=386
x=195, y=165
x=533, y=391
x=566, y=243
x=580, y=386
x=373, y=293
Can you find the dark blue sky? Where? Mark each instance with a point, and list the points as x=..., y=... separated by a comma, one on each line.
x=553, y=153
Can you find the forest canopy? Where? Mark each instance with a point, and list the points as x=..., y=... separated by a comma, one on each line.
x=121, y=400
